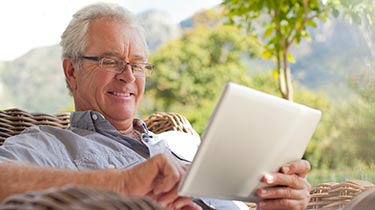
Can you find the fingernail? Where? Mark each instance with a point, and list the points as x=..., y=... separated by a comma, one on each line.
x=268, y=178
x=285, y=169
x=263, y=191
x=179, y=205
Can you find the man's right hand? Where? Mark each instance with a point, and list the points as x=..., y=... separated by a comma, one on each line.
x=158, y=178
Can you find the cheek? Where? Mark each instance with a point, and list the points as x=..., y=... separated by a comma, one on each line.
x=92, y=82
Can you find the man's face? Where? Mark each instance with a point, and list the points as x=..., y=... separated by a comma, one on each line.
x=116, y=96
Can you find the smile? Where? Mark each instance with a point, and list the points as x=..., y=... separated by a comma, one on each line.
x=120, y=94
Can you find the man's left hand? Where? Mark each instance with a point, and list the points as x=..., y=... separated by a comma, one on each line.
x=289, y=188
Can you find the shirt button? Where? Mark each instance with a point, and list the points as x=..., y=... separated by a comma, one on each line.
x=94, y=117
x=111, y=166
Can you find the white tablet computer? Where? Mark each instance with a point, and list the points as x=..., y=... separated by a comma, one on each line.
x=250, y=133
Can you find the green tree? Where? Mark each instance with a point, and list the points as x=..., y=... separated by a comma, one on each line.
x=191, y=71
x=283, y=23
x=354, y=143
x=356, y=11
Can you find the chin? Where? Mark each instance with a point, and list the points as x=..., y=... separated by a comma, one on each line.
x=123, y=115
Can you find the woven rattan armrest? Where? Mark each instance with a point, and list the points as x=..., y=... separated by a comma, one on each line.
x=337, y=195
x=14, y=121
x=74, y=197
x=168, y=121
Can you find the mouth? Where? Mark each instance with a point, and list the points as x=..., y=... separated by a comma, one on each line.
x=121, y=94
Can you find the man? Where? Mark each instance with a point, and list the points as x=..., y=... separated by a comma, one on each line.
x=105, y=64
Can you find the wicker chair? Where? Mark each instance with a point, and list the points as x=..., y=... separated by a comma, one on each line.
x=324, y=196
x=332, y=196
x=14, y=121
x=79, y=198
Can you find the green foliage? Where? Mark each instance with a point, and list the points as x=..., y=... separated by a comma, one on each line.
x=356, y=11
x=348, y=137
x=361, y=172
x=284, y=23
x=191, y=72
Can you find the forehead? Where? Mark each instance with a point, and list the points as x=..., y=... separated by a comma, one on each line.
x=112, y=36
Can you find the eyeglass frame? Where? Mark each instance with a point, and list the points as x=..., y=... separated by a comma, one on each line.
x=147, y=70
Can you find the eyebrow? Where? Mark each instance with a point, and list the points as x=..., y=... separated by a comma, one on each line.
x=138, y=57
x=110, y=54
x=117, y=55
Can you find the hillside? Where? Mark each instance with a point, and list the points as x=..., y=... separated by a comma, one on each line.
x=35, y=81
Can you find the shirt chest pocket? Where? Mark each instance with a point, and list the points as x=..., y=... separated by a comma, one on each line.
x=108, y=160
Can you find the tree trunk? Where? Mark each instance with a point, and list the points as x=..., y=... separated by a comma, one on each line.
x=285, y=77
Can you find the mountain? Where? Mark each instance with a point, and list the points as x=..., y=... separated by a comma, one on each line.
x=159, y=27
x=337, y=51
x=35, y=81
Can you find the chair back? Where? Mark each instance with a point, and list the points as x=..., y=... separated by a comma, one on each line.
x=14, y=121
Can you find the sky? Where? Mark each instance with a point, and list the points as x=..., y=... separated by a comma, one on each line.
x=27, y=24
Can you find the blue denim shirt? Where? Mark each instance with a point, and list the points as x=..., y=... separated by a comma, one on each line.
x=90, y=142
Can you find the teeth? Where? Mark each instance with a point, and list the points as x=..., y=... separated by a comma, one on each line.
x=121, y=94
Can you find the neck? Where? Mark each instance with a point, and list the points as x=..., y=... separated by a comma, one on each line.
x=132, y=133
x=127, y=131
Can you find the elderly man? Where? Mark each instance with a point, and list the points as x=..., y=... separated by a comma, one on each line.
x=105, y=64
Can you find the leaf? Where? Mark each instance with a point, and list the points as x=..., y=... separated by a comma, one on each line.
x=307, y=37
x=276, y=74
x=356, y=19
x=291, y=58
x=268, y=32
x=266, y=54
x=335, y=12
x=312, y=23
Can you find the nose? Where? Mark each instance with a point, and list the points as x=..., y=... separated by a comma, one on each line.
x=126, y=75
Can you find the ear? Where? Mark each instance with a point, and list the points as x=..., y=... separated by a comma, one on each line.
x=70, y=73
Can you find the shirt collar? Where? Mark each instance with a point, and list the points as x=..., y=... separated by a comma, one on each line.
x=95, y=121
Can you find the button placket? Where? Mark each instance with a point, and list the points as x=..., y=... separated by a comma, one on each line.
x=94, y=117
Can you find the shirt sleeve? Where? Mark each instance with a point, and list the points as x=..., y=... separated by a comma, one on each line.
x=33, y=146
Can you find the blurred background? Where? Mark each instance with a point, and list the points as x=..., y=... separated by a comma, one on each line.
x=318, y=53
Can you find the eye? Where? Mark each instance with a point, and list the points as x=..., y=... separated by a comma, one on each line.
x=137, y=66
x=109, y=62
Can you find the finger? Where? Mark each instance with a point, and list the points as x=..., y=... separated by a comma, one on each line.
x=191, y=206
x=279, y=179
x=185, y=166
x=182, y=203
x=167, y=199
x=170, y=174
x=299, y=167
x=283, y=192
x=282, y=204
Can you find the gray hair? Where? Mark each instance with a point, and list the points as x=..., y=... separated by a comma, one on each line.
x=74, y=39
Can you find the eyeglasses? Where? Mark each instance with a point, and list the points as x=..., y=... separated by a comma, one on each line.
x=118, y=66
